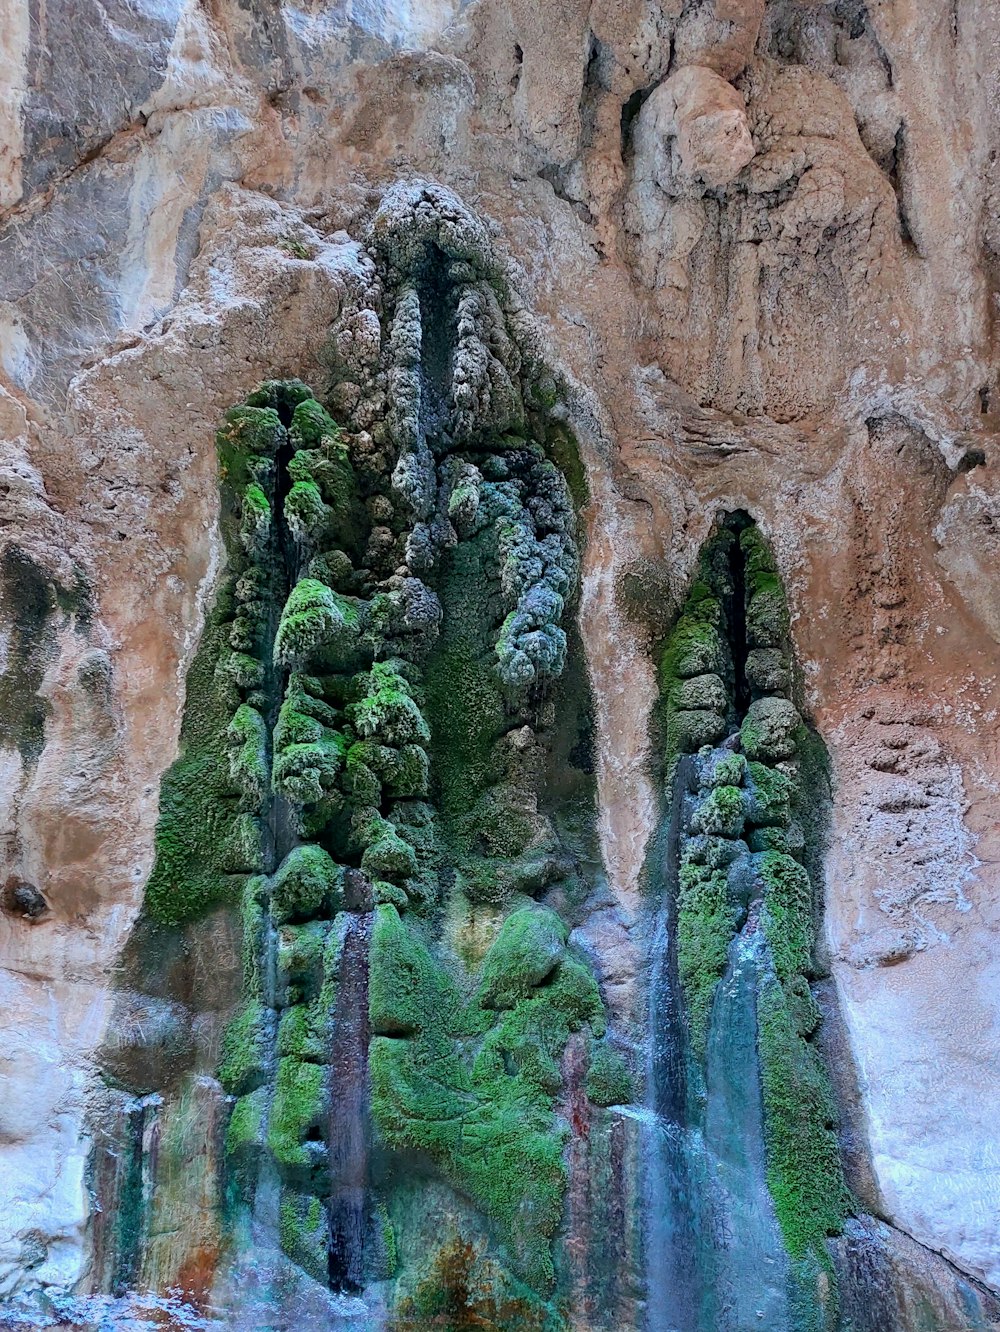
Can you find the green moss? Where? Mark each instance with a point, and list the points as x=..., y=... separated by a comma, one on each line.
x=249, y=434
x=804, y=1174
x=531, y=943
x=787, y=914
x=695, y=647
x=389, y=857
x=307, y=881
x=245, y=1137
x=387, y=1235
x=245, y=1049
x=706, y=921
x=317, y=624
x=722, y=812
x=304, y=1233
x=207, y=835
x=309, y=518
x=249, y=764
x=198, y=802
x=465, y=704
x=767, y=618
x=564, y=451
x=609, y=1081
x=299, y=961
x=771, y=793
x=769, y=730
x=729, y=770
x=811, y=797
x=298, y=1114
x=489, y=1125
x=387, y=710
x=404, y=982
x=301, y=1033
x=462, y=1291
x=497, y=824
x=280, y=395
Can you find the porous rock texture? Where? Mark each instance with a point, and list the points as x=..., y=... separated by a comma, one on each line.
x=760, y=242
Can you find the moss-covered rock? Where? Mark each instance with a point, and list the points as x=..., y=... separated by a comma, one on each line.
x=246, y=1048
x=721, y=813
x=804, y=1173
x=317, y=625
x=307, y=881
x=298, y=1116
x=706, y=693
x=769, y=730
x=767, y=670
x=489, y=1126
x=529, y=946
x=303, y=1230
x=770, y=792
x=246, y=1135
x=725, y=770
x=609, y=1080
x=707, y=919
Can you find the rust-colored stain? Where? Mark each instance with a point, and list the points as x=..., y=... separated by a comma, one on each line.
x=460, y=1294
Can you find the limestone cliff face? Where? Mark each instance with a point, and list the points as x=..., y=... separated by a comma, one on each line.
x=749, y=253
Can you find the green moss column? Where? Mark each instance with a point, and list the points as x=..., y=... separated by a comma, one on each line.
x=752, y=824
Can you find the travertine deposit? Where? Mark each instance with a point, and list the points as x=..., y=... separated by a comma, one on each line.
x=692, y=263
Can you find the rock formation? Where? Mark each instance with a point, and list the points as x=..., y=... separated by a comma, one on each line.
x=499, y=621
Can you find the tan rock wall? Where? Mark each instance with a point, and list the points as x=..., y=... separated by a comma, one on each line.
x=807, y=334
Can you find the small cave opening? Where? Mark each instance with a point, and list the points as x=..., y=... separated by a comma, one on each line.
x=515, y=78
x=630, y=110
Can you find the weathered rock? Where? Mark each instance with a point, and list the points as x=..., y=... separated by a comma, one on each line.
x=778, y=298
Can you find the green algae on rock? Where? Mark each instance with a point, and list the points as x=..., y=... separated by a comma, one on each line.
x=752, y=808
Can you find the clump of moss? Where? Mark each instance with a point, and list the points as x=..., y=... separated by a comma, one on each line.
x=769, y=799
x=245, y=1138
x=707, y=919
x=307, y=881
x=389, y=857
x=609, y=1081
x=769, y=730
x=309, y=750
x=298, y=1115
x=787, y=915
x=531, y=943
x=245, y=1049
x=697, y=650
x=722, y=812
x=489, y=1125
x=202, y=844
x=804, y=1174
x=387, y=709
x=318, y=625
x=249, y=764
x=770, y=796
x=767, y=618
x=303, y=1231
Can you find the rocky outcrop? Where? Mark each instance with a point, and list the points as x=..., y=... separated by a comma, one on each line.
x=748, y=255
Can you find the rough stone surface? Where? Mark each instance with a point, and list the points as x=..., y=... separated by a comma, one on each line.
x=762, y=241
